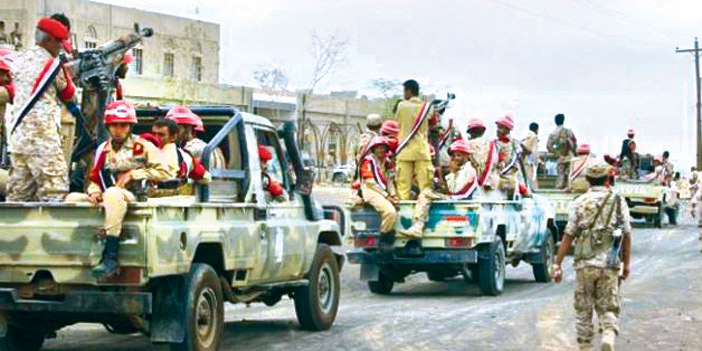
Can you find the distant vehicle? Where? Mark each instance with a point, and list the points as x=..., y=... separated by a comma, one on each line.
x=343, y=174
x=180, y=258
x=472, y=238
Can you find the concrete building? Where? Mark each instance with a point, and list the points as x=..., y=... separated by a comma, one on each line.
x=180, y=64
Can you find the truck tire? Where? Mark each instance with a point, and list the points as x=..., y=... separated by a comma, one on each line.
x=491, y=276
x=204, y=310
x=383, y=286
x=21, y=340
x=542, y=271
x=316, y=304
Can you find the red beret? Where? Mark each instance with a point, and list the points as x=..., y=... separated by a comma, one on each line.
x=53, y=28
x=264, y=153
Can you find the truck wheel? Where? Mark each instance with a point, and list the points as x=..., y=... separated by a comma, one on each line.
x=492, y=271
x=21, y=340
x=542, y=271
x=316, y=304
x=204, y=310
x=383, y=286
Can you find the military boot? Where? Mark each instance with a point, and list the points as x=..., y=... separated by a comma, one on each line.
x=108, y=265
x=386, y=243
x=608, y=337
x=415, y=231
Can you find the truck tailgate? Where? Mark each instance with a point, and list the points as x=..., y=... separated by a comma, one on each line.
x=62, y=240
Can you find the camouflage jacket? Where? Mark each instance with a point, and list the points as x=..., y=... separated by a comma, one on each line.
x=39, y=130
x=582, y=225
x=562, y=143
x=195, y=147
x=503, y=174
x=141, y=157
x=478, y=152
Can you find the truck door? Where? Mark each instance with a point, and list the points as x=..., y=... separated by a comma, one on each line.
x=283, y=243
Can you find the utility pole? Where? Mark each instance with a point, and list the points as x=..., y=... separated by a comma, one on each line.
x=696, y=52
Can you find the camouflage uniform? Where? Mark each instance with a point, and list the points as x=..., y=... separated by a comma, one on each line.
x=414, y=159
x=376, y=187
x=138, y=156
x=530, y=145
x=561, y=142
x=507, y=153
x=597, y=285
x=39, y=170
x=478, y=153
x=576, y=176
x=195, y=147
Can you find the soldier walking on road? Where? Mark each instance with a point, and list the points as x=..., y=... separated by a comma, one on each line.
x=413, y=157
x=598, y=226
x=39, y=170
x=562, y=144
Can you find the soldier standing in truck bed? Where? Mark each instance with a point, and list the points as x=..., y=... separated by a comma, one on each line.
x=562, y=143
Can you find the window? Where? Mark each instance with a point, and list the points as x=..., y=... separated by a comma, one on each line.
x=91, y=38
x=196, y=69
x=276, y=166
x=168, y=64
x=138, y=63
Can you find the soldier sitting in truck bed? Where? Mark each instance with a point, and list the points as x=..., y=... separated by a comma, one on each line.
x=119, y=162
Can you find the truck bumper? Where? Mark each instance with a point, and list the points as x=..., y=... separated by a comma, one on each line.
x=428, y=257
x=80, y=301
x=643, y=209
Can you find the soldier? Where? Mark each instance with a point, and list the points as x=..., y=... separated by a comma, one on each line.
x=461, y=183
x=189, y=123
x=502, y=163
x=120, y=162
x=563, y=144
x=378, y=189
x=577, y=180
x=598, y=223
x=373, y=124
x=530, y=147
x=39, y=169
x=668, y=169
x=274, y=189
x=630, y=162
x=412, y=157
x=625, y=144
x=478, y=148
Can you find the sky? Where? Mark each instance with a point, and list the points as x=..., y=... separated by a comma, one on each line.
x=607, y=65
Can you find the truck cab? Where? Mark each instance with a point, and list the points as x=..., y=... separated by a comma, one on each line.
x=181, y=257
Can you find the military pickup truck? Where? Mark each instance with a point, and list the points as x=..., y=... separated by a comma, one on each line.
x=559, y=198
x=181, y=257
x=473, y=238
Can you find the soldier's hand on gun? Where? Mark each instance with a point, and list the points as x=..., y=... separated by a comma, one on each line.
x=95, y=198
x=124, y=180
x=557, y=273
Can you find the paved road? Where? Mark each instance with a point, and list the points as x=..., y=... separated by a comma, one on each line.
x=663, y=311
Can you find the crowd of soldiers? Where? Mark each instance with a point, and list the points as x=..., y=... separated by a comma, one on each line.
x=395, y=160
x=162, y=163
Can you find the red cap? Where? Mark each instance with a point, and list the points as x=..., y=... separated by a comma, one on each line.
x=183, y=116
x=264, y=153
x=120, y=112
x=506, y=122
x=584, y=148
x=476, y=123
x=379, y=141
x=630, y=132
x=275, y=188
x=390, y=128
x=459, y=146
x=53, y=28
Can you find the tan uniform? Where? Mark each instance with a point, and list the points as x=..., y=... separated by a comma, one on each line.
x=376, y=187
x=461, y=186
x=145, y=162
x=504, y=174
x=597, y=285
x=196, y=146
x=530, y=145
x=577, y=181
x=4, y=100
x=478, y=153
x=39, y=170
x=562, y=143
x=414, y=159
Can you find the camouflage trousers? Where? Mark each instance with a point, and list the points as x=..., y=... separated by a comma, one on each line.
x=563, y=174
x=388, y=214
x=423, y=172
x=596, y=289
x=421, y=209
x=115, y=201
x=41, y=177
